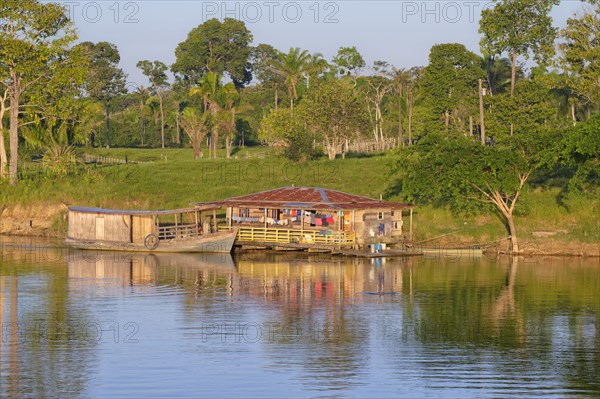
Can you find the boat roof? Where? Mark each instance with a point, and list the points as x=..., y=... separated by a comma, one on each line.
x=105, y=211
x=307, y=198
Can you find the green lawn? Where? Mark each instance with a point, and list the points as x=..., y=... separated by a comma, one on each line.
x=171, y=178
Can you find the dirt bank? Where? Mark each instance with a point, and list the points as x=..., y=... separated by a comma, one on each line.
x=35, y=221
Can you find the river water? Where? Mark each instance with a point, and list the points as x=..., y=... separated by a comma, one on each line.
x=113, y=325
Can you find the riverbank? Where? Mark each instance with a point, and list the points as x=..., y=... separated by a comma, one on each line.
x=171, y=178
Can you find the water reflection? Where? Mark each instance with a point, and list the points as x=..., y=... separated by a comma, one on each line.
x=292, y=324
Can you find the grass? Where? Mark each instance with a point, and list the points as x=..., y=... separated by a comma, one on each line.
x=171, y=178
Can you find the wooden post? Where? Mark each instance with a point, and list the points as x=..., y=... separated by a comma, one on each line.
x=215, y=227
x=196, y=220
x=265, y=218
x=410, y=233
x=229, y=215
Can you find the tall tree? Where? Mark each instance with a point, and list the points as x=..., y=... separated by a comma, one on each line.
x=580, y=57
x=106, y=80
x=459, y=173
x=218, y=47
x=155, y=71
x=450, y=83
x=401, y=78
x=263, y=57
x=334, y=114
x=518, y=27
x=348, y=61
x=34, y=52
x=194, y=125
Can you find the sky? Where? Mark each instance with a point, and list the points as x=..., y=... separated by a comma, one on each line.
x=399, y=32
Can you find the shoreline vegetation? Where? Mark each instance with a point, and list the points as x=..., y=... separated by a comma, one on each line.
x=548, y=224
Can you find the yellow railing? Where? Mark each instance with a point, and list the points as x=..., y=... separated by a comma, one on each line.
x=291, y=236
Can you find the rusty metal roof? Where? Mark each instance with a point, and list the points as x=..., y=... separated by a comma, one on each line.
x=199, y=207
x=307, y=198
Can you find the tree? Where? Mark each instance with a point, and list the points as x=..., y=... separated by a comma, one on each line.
x=106, y=80
x=459, y=173
x=349, y=61
x=216, y=47
x=263, y=57
x=155, y=71
x=530, y=111
x=228, y=106
x=292, y=66
x=194, y=125
x=284, y=128
x=519, y=27
x=334, y=114
x=580, y=57
x=498, y=73
x=450, y=83
x=402, y=79
x=34, y=57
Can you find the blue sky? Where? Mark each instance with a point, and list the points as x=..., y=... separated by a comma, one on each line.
x=400, y=32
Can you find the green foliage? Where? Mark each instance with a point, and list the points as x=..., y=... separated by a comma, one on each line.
x=348, y=60
x=528, y=112
x=580, y=55
x=217, y=47
x=334, y=113
x=450, y=84
x=581, y=151
x=522, y=26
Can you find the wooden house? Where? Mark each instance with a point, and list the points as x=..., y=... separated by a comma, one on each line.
x=313, y=216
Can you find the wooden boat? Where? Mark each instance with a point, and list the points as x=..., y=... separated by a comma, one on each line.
x=179, y=230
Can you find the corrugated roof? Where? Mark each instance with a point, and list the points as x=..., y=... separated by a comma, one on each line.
x=104, y=211
x=307, y=198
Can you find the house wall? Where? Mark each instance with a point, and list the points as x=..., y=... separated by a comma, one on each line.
x=367, y=224
x=94, y=226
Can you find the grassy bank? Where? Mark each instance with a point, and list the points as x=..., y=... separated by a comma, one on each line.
x=171, y=178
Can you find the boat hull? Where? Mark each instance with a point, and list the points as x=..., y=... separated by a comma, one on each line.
x=221, y=242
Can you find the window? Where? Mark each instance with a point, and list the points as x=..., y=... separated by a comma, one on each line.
x=392, y=213
x=380, y=215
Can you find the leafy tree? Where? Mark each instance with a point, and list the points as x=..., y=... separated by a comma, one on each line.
x=334, y=114
x=498, y=73
x=349, y=61
x=106, y=81
x=402, y=78
x=224, y=110
x=450, y=83
x=518, y=27
x=284, y=128
x=216, y=47
x=580, y=150
x=263, y=57
x=460, y=173
x=195, y=126
x=580, y=57
x=530, y=111
x=155, y=71
x=34, y=59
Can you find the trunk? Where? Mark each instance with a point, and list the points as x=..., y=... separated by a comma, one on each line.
x=13, y=133
x=470, y=125
x=142, y=122
x=511, y=129
x=573, y=113
x=177, y=131
x=276, y=98
x=228, y=147
x=215, y=139
x=3, y=156
x=514, y=245
x=447, y=120
x=513, y=72
x=162, y=121
x=107, y=126
x=400, y=131
x=410, y=112
x=481, y=113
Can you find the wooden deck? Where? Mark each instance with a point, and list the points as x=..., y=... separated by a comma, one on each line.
x=292, y=238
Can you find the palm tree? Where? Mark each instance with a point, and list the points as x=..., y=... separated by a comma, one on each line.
x=228, y=106
x=208, y=86
x=498, y=73
x=194, y=125
x=292, y=66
